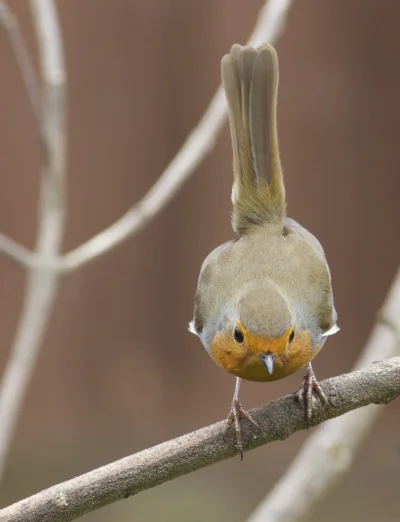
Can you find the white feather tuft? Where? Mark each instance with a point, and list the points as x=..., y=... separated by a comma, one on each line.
x=233, y=195
x=334, y=329
x=191, y=328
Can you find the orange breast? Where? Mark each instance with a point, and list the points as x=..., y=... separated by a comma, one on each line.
x=244, y=361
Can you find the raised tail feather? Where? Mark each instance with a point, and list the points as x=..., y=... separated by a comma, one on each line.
x=250, y=80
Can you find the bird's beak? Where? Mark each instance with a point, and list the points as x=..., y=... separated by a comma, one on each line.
x=268, y=360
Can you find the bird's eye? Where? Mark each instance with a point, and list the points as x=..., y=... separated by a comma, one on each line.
x=237, y=335
x=291, y=337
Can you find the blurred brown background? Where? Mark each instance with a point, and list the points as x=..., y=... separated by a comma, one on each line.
x=119, y=371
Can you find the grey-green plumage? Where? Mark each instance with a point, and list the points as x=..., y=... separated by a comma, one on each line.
x=275, y=274
x=250, y=79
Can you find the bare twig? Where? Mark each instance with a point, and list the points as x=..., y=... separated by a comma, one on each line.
x=10, y=24
x=380, y=383
x=199, y=143
x=327, y=455
x=16, y=252
x=42, y=277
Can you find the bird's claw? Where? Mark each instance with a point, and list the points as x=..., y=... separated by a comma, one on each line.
x=237, y=412
x=305, y=392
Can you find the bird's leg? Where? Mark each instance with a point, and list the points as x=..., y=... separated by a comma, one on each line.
x=305, y=392
x=236, y=412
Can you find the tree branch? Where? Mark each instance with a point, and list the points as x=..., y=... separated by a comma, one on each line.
x=328, y=453
x=42, y=277
x=16, y=252
x=9, y=23
x=197, y=146
x=378, y=384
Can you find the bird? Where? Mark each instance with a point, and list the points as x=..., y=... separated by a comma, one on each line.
x=264, y=303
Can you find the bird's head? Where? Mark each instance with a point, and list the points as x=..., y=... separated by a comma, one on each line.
x=255, y=334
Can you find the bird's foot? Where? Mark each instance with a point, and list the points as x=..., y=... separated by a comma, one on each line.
x=305, y=393
x=237, y=412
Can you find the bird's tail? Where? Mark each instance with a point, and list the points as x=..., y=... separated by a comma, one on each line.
x=250, y=80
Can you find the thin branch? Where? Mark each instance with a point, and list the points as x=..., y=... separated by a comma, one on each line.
x=16, y=252
x=10, y=25
x=378, y=384
x=199, y=143
x=42, y=278
x=328, y=454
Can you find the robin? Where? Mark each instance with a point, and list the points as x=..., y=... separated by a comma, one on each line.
x=264, y=305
